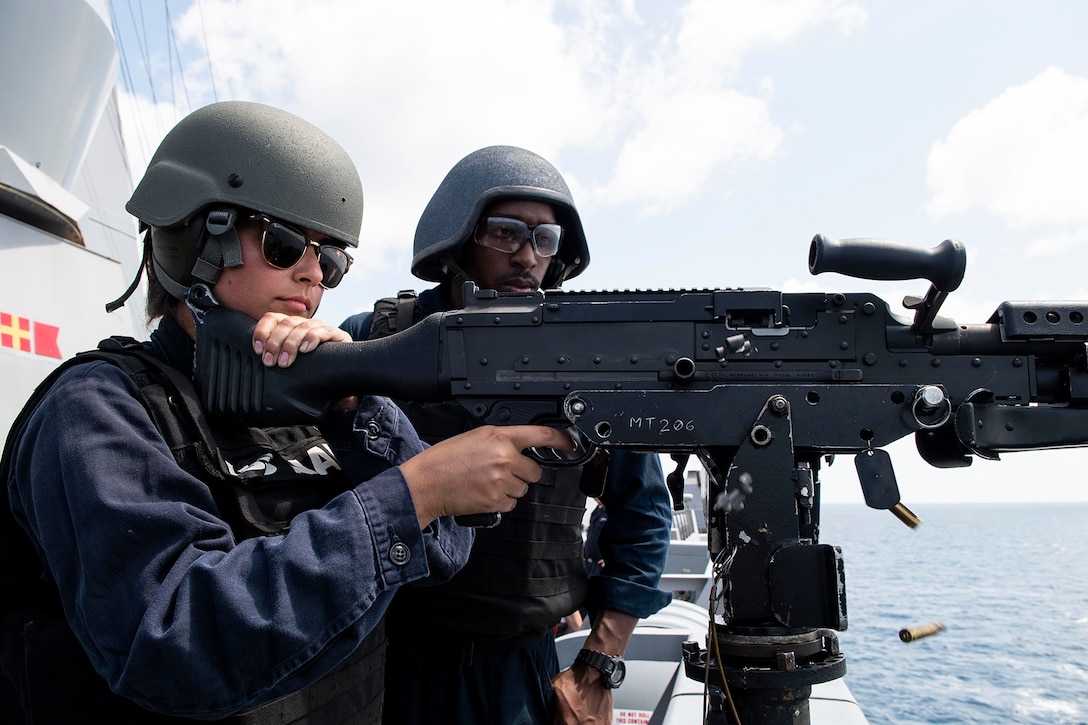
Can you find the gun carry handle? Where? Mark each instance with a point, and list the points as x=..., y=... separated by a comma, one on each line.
x=943, y=265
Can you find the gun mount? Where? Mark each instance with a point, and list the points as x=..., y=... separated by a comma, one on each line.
x=761, y=385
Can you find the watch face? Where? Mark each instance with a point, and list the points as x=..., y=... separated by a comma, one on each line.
x=612, y=669
x=619, y=671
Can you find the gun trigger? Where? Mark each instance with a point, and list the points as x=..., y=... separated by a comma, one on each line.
x=877, y=478
x=584, y=450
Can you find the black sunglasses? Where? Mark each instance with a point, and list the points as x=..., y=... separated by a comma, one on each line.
x=283, y=247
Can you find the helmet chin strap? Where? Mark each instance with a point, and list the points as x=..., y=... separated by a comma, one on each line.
x=451, y=266
x=453, y=269
x=120, y=301
x=554, y=274
x=176, y=290
x=221, y=247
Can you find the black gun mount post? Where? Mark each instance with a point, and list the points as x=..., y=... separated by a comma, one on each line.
x=786, y=591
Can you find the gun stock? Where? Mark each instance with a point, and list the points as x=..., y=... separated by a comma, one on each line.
x=235, y=385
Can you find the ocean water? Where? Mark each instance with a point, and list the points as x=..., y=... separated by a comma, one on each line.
x=1010, y=584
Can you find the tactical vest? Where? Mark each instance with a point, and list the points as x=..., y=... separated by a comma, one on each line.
x=42, y=663
x=523, y=575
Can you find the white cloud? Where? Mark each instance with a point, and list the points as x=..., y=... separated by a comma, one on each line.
x=681, y=143
x=1057, y=243
x=407, y=88
x=685, y=120
x=1021, y=157
x=410, y=87
x=717, y=36
x=144, y=124
x=407, y=77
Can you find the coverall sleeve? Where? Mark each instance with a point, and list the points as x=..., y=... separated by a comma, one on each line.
x=634, y=541
x=358, y=325
x=173, y=612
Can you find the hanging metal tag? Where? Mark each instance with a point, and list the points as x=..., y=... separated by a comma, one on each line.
x=877, y=478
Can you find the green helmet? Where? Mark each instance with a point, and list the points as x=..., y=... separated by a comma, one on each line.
x=233, y=156
x=482, y=177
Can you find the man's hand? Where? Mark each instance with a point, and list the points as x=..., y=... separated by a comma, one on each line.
x=279, y=338
x=481, y=471
x=579, y=695
x=580, y=698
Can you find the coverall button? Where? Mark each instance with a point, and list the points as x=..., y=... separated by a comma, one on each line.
x=399, y=553
x=373, y=429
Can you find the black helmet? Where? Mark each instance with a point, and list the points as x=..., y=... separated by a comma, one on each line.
x=482, y=177
x=233, y=156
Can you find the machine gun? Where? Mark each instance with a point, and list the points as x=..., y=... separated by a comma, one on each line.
x=762, y=385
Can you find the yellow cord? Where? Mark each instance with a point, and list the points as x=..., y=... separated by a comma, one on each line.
x=721, y=569
x=721, y=671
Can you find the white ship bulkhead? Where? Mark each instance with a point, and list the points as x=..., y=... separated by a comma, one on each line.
x=67, y=244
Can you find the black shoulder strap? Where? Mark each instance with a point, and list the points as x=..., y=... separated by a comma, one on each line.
x=172, y=402
x=169, y=397
x=394, y=314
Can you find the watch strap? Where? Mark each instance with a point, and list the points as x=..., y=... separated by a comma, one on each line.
x=605, y=664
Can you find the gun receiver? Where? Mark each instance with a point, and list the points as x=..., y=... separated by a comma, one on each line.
x=760, y=384
x=672, y=371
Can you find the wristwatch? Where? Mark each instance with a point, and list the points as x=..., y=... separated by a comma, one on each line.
x=611, y=667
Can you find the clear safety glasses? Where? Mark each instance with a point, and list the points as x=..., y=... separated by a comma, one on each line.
x=510, y=235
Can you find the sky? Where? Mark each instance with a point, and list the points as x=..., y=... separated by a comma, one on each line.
x=705, y=142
